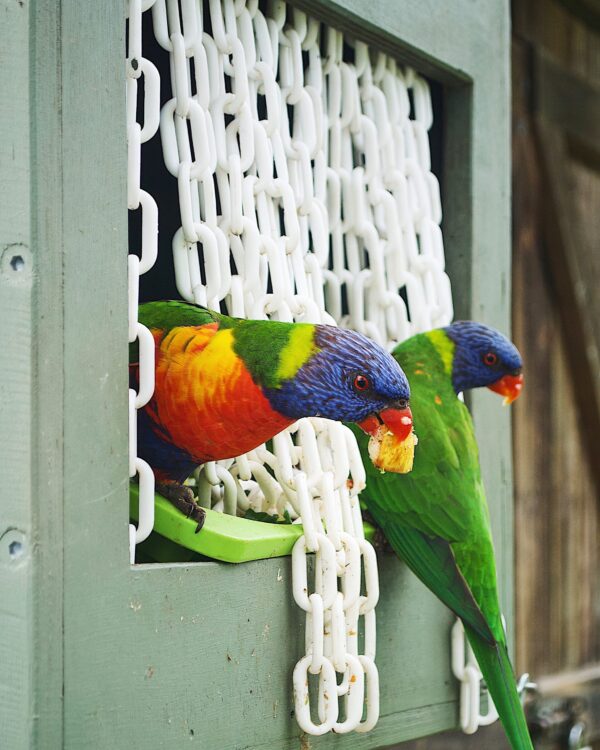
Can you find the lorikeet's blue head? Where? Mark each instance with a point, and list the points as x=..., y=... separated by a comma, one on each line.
x=484, y=357
x=349, y=378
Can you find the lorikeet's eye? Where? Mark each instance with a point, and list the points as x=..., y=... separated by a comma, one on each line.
x=490, y=359
x=361, y=383
x=403, y=404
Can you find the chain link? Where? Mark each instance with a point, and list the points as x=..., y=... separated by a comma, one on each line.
x=136, y=68
x=305, y=190
x=466, y=669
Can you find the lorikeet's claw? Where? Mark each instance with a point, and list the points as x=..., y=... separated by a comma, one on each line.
x=183, y=499
x=380, y=543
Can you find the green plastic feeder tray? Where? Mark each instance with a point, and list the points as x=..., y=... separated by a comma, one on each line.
x=223, y=537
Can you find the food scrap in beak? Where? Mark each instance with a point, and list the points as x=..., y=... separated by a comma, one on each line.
x=509, y=386
x=398, y=421
x=392, y=442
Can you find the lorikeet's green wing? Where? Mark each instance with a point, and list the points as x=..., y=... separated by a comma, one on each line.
x=434, y=555
x=165, y=315
x=168, y=314
x=437, y=521
x=434, y=514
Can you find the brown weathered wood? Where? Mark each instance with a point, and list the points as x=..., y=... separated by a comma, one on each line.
x=557, y=520
x=548, y=25
x=567, y=101
x=588, y=11
x=532, y=418
x=557, y=510
x=576, y=291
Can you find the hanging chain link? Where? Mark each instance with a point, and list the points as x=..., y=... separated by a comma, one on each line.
x=466, y=670
x=138, y=67
x=306, y=194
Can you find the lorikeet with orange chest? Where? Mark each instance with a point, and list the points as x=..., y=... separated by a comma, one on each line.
x=436, y=518
x=226, y=385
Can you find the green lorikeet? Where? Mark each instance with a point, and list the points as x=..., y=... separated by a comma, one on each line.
x=224, y=385
x=436, y=518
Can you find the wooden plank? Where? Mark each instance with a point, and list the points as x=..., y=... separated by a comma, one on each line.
x=567, y=100
x=407, y=32
x=557, y=525
x=575, y=294
x=550, y=26
x=490, y=738
x=16, y=281
x=187, y=658
x=47, y=344
x=586, y=10
x=534, y=335
x=95, y=460
x=30, y=384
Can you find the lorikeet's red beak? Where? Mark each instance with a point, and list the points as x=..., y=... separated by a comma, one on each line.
x=398, y=421
x=509, y=386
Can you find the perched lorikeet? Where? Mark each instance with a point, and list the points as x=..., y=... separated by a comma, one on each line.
x=436, y=518
x=226, y=385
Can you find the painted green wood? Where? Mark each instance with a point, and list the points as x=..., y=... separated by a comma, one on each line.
x=161, y=655
x=30, y=382
x=16, y=567
x=48, y=386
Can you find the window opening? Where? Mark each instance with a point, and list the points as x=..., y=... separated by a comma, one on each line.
x=298, y=186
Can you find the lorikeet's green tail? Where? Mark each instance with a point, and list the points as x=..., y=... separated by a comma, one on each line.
x=499, y=677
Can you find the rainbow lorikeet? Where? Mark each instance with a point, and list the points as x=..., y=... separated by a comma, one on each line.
x=224, y=385
x=436, y=518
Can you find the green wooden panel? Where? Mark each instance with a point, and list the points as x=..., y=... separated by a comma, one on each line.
x=159, y=655
x=16, y=568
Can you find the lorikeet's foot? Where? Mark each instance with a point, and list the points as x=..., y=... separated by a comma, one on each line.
x=380, y=543
x=183, y=499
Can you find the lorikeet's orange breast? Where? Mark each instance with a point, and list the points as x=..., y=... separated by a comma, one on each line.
x=205, y=398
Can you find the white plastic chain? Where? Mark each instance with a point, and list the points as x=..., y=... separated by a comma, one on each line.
x=466, y=670
x=137, y=198
x=306, y=194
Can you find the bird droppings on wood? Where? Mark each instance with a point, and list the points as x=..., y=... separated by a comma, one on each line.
x=135, y=605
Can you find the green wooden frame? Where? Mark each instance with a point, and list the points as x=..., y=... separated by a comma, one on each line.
x=95, y=653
